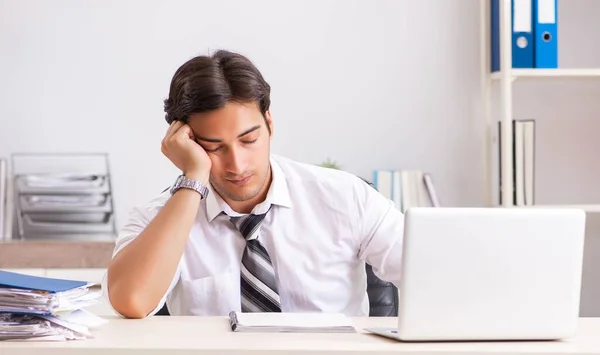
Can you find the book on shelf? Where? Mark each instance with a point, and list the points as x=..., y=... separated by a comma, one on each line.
x=406, y=188
x=523, y=162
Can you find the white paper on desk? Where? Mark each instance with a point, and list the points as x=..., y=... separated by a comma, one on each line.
x=291, y=322
x=78, y=329
x=83, y=317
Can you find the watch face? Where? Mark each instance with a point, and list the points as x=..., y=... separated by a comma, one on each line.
x=176, y=185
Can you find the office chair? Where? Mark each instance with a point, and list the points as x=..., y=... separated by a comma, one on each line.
x=383, y=295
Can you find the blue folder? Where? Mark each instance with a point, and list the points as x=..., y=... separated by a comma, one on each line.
x=20, y=281
x=521, y=34
x=545, y=29
x=495, y=34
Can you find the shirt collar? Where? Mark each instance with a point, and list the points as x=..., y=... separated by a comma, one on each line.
x=278, y=194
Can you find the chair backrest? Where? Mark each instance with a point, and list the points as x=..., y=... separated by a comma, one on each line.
x=383, y=296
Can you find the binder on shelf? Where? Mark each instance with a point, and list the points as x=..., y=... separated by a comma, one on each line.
x=521, y=34
x=546, y=34
x=523, y=162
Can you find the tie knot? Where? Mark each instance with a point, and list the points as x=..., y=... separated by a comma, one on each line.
x=248, y=225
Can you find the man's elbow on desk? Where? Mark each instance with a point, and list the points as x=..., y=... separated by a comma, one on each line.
x=129, y=303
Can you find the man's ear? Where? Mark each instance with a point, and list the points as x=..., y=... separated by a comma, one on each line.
x=269, y=122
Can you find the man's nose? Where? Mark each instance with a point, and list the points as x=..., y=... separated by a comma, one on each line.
x=236, y=161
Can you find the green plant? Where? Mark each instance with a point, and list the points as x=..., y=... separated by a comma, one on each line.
x=332, y=164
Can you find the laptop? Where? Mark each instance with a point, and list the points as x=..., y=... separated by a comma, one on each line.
x=477, y=274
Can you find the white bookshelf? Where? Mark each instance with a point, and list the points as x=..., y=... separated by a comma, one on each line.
x=550, y=74
x=506, y=78
x=586, y=208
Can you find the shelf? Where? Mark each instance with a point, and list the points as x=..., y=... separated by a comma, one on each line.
x=591, y=73
x=586, y=208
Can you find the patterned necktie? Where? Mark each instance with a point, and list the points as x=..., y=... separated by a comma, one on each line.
x=258, y=285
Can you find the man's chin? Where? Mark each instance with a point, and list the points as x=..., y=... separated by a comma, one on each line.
x=239, y=195
x=241, y=198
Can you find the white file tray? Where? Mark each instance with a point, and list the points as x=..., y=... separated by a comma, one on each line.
x=61, y=173
x=65, y=203
x=32, y=227
x=62, y=195
x=53, y=183
x=68, y=218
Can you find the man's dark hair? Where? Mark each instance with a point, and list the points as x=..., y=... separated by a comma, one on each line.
x=206, y=83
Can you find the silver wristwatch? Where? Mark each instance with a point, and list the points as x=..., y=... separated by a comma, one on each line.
x=185, y=183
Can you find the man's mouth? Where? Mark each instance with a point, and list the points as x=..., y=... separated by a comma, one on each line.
x=240, y=181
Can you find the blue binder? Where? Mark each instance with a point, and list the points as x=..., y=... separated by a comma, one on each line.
x=495, y=32
x=522, y=34
x=27, y=282
x=545, y=29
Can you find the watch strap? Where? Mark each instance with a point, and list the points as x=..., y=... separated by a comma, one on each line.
x=183, y=182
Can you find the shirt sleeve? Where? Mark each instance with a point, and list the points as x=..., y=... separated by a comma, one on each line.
x=139, y=217
x=381, y=231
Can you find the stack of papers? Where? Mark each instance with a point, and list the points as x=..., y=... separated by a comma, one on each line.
x=40, y=308
x=291, y=322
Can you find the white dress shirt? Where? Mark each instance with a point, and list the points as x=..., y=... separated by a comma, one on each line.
x=323, y=226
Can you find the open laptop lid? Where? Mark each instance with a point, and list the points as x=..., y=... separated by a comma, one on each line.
x=491, y=273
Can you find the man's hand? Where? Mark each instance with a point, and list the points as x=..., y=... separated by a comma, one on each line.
x=180, y=147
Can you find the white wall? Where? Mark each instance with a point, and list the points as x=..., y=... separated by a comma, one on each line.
x=370, y=84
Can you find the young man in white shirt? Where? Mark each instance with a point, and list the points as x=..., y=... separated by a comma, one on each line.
x=243, y=229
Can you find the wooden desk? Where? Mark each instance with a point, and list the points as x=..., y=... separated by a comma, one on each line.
x=201, y=336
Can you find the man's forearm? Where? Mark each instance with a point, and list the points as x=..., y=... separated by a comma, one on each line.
x=140, y=274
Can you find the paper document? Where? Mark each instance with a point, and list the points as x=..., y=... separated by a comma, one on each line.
x=28, y=327
x=291, y=322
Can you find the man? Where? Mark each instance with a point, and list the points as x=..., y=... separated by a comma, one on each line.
x=243, y=229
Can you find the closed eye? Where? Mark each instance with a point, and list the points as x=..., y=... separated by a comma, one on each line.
x=220, y=147
x=212, y=150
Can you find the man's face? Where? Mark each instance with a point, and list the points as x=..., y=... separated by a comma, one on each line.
x=237, y=141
